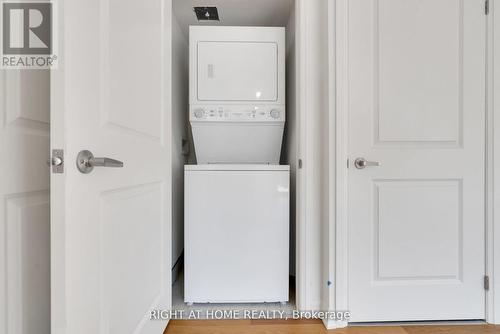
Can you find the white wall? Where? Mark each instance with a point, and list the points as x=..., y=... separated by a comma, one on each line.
x=180, y=99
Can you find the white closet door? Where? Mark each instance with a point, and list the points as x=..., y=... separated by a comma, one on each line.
x=112, y=227
x=417, y=106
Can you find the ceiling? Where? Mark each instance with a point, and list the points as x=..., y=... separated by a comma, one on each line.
x=272, y=13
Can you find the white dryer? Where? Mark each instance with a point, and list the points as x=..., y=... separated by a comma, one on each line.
x=237, y=93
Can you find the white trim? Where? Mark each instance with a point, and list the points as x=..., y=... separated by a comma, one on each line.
x=312, y=61
x=493, y=169
x=337, y=293
x=301, y=195
x=340, y=17
x=334, y=324
x=489, y=177
x=341, y=62
x=313, y=134
x=329, y=247
x=58, y=291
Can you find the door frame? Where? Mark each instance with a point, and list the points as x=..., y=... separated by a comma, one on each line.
x=338, y=110
x=312, y=198
x=492, y=209
x=58, y=289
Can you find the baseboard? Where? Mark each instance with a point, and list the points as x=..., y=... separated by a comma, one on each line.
x=334, y=324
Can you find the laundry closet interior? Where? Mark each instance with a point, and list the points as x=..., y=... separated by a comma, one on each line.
x=234, y=154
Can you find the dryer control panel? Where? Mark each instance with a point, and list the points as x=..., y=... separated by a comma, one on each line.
x=237, y=113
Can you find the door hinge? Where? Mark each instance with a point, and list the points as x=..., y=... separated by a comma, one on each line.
x=300, y=163
x=486, y=282
x=347, y=163
x=57, y=161
x=486, y=7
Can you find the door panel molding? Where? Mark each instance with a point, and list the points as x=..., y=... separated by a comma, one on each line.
x=147, y=227
x=114, y=56
x=390, y=250
x=387, y=69
x=27, y=247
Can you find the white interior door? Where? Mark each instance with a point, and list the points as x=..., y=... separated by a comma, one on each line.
x=111, y=228
x=416, y=105
x=24, y=202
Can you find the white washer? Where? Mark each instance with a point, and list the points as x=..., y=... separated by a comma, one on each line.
x=237, y=93
x=236, y=233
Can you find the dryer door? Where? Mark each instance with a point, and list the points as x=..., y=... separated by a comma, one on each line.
x=237, y=71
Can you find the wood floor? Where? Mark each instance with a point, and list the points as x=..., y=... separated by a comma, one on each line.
x=311, y=327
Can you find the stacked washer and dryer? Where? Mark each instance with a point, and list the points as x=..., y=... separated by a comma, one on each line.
x=236, y=245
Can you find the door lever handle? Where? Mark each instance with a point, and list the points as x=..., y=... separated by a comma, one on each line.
x=85, y=162
x=362, y=163
x=105, y=162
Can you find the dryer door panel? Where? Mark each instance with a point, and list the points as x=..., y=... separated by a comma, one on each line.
x=237, y=71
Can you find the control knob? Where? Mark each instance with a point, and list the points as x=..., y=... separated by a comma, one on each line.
x=198, y=113
x=275, y=113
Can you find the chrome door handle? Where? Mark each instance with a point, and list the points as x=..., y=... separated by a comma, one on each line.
x=362, y=163
x=105, y=162
x=85, y=162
